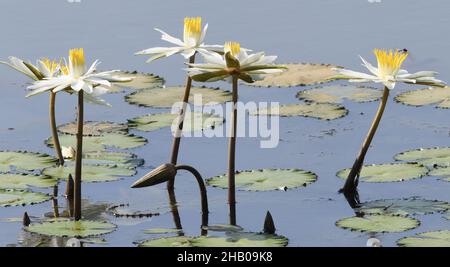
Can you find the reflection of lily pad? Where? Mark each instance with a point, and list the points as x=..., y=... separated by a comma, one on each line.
x=335, y=94
x=161, y=231
x=444, y=173
x=71, y=228
x=429, y=239
x=10, y=198
x=194, y=121
x=94, y=128
x=427, y=157
x=266, y=180
x=166, y=97
x=23, y=181
x=99, y=143
x=378, y=223
x=91, y=173
x=233, y=240
x=119, y=159
x=22, y=160
x=406, y=206
x=429, y=96
x=139, y=81
x=299, y=75
x=385, y=173
x=313, y=110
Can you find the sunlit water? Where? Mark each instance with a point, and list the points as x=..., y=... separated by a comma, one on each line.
x=334, y=32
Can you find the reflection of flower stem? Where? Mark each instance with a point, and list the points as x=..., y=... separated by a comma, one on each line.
x=232, y=154
x=55, y=202
x=78, y=160
x=351, y=183
x=56, y=142
x=175, y=213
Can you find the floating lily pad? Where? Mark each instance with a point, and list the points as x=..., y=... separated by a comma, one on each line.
x=444, y=173
x=100, y=143
x=22, y=160
x=94, y=128
x=139, y=81
x=119, y=159
x=384, y=173
x=439, y=96
x=233, y=240
x=405, y=206
x=378, y=223
x=312, y=110
x=335, y=94
x=266, y=180
x=159, y=231
x=23, y=181
x=223, y=228
x=166, y=97
x=65, y=228
x=299, y=75
x=430, y=157
x=11, y=198
x=194, y=121
x=91, y=173
x=429, y=239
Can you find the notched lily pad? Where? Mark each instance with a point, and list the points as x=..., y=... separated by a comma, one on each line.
x=430, y=157
x=299, y=75
x=118, y=159
x=405, y=206
x=160, y=231
x=378, y=223
x=139, y=81
x=385, y=173
x=23, y=160
x=91, y=173
x=94, y=128
x=223, y=228
x=194, y=121
x=166, y=97
x=429, y=239
x=125, y=210
x=335, y=94
x=24, y=181
x=439, y=96
x=81, y=229
x=11, y=198
x=266, y=180
x=443, y=173
x=312, y=110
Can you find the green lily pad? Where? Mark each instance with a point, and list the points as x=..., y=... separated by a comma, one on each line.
x=22, y=160
x=405, y=206
x=139, y=81
x=430, y=157
x=266, y=180
x=119, y=159
x=12, y=197
x=194, y=121
x=311, y=110
x=233, y=240
x=23, y=181
x=66, y=228
x=439, y=96
x=90, y=173
x=444, y=173
x=94, y=128
x=378, y=223
x=299, y=75
x=429, y=239
x=100, y=143
x=166, y=97
x=335, y=94
x=135, y=211
x=160, y=231
x=385, y=173
x=223, y=228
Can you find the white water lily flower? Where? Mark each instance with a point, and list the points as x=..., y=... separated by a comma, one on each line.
x=68, y=152
x=234, y=61
x=389, y=72
x=44, y=68
x=192, y=42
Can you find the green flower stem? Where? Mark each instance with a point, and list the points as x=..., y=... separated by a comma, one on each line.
x=232, y=155
x=55, y=136
x=78, y=159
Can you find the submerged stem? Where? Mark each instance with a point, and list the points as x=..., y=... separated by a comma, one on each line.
x=55, y=136
x=78, y=160
x=232, y=155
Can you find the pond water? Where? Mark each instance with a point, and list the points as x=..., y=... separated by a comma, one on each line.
x=333, y=32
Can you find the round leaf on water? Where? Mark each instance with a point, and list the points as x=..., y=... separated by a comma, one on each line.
x=378, y=223
x=429, y=239
x=299, y=75
x=312, y=110
x=194, y=121
x=140, y=210
x=81, y=229
x=94, y=128
x=223, y=228
x=405, y=206
x=266, y=180
x=23, y=181
x=11, y=198
x=166, y=97
x=91, y=173
x=429, y=157
x=162, y=231
x=139, y=81
x=335, y=94
x=429, y=96
x=27, y=161
x=444, y=173
x=119, y=159
x=385, y=173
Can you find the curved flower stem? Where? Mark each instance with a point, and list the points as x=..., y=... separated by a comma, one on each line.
x=55, y=136
x=78, y=159
x=232, y=155
x=351, y=184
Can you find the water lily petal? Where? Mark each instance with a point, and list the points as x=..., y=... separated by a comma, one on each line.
x=167, y=37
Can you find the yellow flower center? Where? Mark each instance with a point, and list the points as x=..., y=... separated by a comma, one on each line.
x=389, y=62
x=50, y=64
x=78, y=62
x=192, y=28
x=232, y=47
